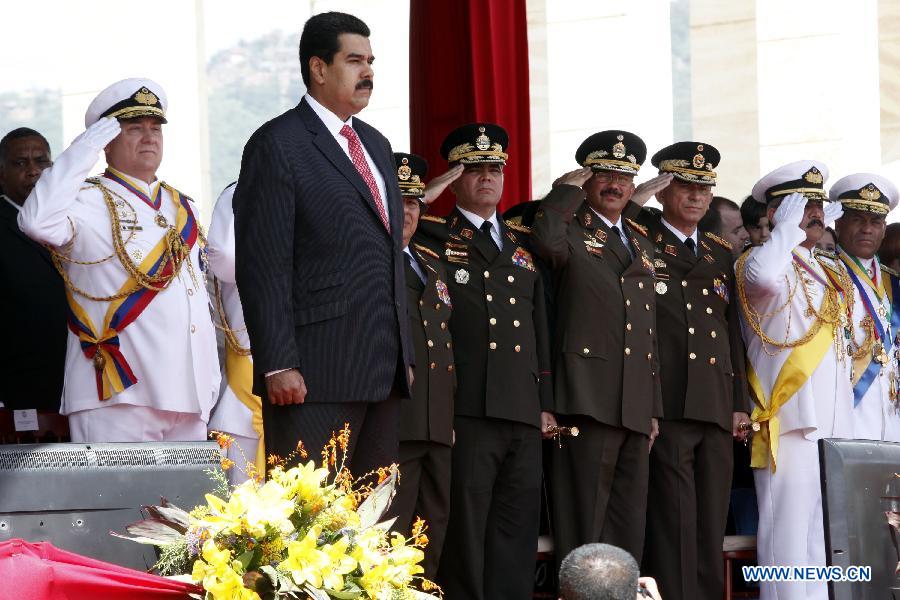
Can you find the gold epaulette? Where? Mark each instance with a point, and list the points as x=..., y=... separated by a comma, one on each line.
x=433, y=219
x=91, y=182
x=426, y=250
x=890, y=271
x=517, y=227
x=721, y=241
x=637, y=226
x=817, y=252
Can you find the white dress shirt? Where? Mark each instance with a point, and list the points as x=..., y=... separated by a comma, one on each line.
x=415, y=265
x=334, y=124
x=681, y=237
x=621, y=230
x=477, y=221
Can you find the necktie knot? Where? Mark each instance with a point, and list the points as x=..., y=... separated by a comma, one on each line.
x=486, y=227
x=348, y=132
x=689, y=242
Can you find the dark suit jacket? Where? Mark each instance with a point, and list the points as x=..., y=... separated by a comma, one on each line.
x=428, y=415
x=320, y=278
x=700, y=345
x=606, y=364
x=32, y=361
x=499, y=322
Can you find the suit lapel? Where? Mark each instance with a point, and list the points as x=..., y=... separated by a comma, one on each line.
x=328, y=146
x=615, y=245
x=474, y=238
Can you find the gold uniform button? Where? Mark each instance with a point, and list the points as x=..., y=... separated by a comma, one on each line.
x=448, y=345
x=487, y=274
x=516, y=323
x=587, y=350
x=627, y=351
x=518, y=348
x=621, y=280
x=512, y=300
x=421, y=303
x=691, y=330
x=646, y=307
x=705, y=292
x=692, y=356
x=493, y=345
x=689, y=306
x=649, y=356
x=650, y=331
x=493, y=321
x=193, y=328
x=190, y=292
x=433, y=365
x=712, y=334
x=640, y=285
x=425, y=323
x=430, y=344
x=437, y=306
x=489, y=297
x=627, y=302
x=628, y=326
x=683, y=283
x=449, y=368
x=443, y=325
x=712, y=360
x=708, y=310
x=510, y=279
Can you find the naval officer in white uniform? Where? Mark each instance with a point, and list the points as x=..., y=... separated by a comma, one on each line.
x=867, y=198
x=239, y=411
x=141, y=361
x=795, y=315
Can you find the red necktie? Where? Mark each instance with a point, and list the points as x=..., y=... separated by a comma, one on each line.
x=359, y=161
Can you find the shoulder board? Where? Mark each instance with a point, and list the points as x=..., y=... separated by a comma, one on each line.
x=637, y=226
x=433, y=219
x=426, y=250
x=517, y=227
x=890, y=271
x=818, y=252
x=722, y=242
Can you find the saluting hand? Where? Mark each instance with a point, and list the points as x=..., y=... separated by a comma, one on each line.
x=648, y=189
x=437, y=185
x=790, y=212
x=286, y=387
x=833, y=211
x=578, y=177
x=101, y=133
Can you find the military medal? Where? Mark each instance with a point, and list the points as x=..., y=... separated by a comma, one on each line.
x=879, y=354
x=522, y=258
x=882, y=311
x=466, y=233
x=161, y=220
x=708, y=258
x=670, y=249
x=462, y=276
x=442, y=292
x=661, y=287
x=587, y=219
x=99, y=361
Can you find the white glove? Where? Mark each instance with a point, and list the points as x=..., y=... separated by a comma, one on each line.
x=790, y=212
x=98, y=135
x=833, y=212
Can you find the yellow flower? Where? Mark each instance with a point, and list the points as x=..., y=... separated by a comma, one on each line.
x=305, y=482
x=219, y=575
x=250, y=510
x=367, y=549
x=340, y=564
x=305, y=561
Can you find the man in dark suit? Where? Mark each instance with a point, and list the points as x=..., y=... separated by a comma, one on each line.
x=426, y=419
x=704, y=390
x=499, y=328
x=606, y=368
x=318, y=229
x=33, y=298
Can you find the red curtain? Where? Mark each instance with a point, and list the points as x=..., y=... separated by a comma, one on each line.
x=469, y=62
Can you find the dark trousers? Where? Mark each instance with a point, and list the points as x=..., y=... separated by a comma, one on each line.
x=374, y=430
x=424, y=491
x=495, y=504
x=687, y=509
x=598, y=486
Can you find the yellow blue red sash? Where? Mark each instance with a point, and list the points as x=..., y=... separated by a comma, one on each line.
x=113, y=373
x=129, y=184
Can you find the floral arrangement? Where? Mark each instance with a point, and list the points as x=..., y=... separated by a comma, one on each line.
x=309, y=532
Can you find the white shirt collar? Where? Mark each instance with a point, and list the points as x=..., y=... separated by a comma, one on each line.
x=11, y=203
x=681, y=237
x=609, y=223
x=477, y=221
x=333, y=123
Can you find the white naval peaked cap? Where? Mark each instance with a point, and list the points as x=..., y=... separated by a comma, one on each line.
x=804, y=176
x=865, y=191
x=128, y=99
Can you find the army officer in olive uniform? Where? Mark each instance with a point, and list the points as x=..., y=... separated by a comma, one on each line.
x=426, y=419
x=499, y=328
x=606, y=368
x=703, y=386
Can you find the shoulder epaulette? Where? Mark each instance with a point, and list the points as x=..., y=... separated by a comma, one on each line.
x=890, y=271
x=817, y=252
x=637, y=226
x=426, y=250
x=721, y=241
x=433, y=219
x=517, y=227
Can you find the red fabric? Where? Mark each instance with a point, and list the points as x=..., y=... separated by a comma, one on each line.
x=40, y=571
x=469, y=62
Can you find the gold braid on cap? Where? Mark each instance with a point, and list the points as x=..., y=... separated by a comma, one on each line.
x=467, y=150
x=868, y=199
x=682, y=166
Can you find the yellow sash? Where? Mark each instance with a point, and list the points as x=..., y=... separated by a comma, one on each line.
x=794, y=373
x=239, y=370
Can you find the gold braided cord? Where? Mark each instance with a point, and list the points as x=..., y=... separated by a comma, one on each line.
x=176, y=251
x=830, y=312
x=230, y=337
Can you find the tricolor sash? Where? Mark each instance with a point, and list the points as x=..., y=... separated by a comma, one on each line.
x=239, y=370
x=113, y=373
x=132, y=186
x=869, y=368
